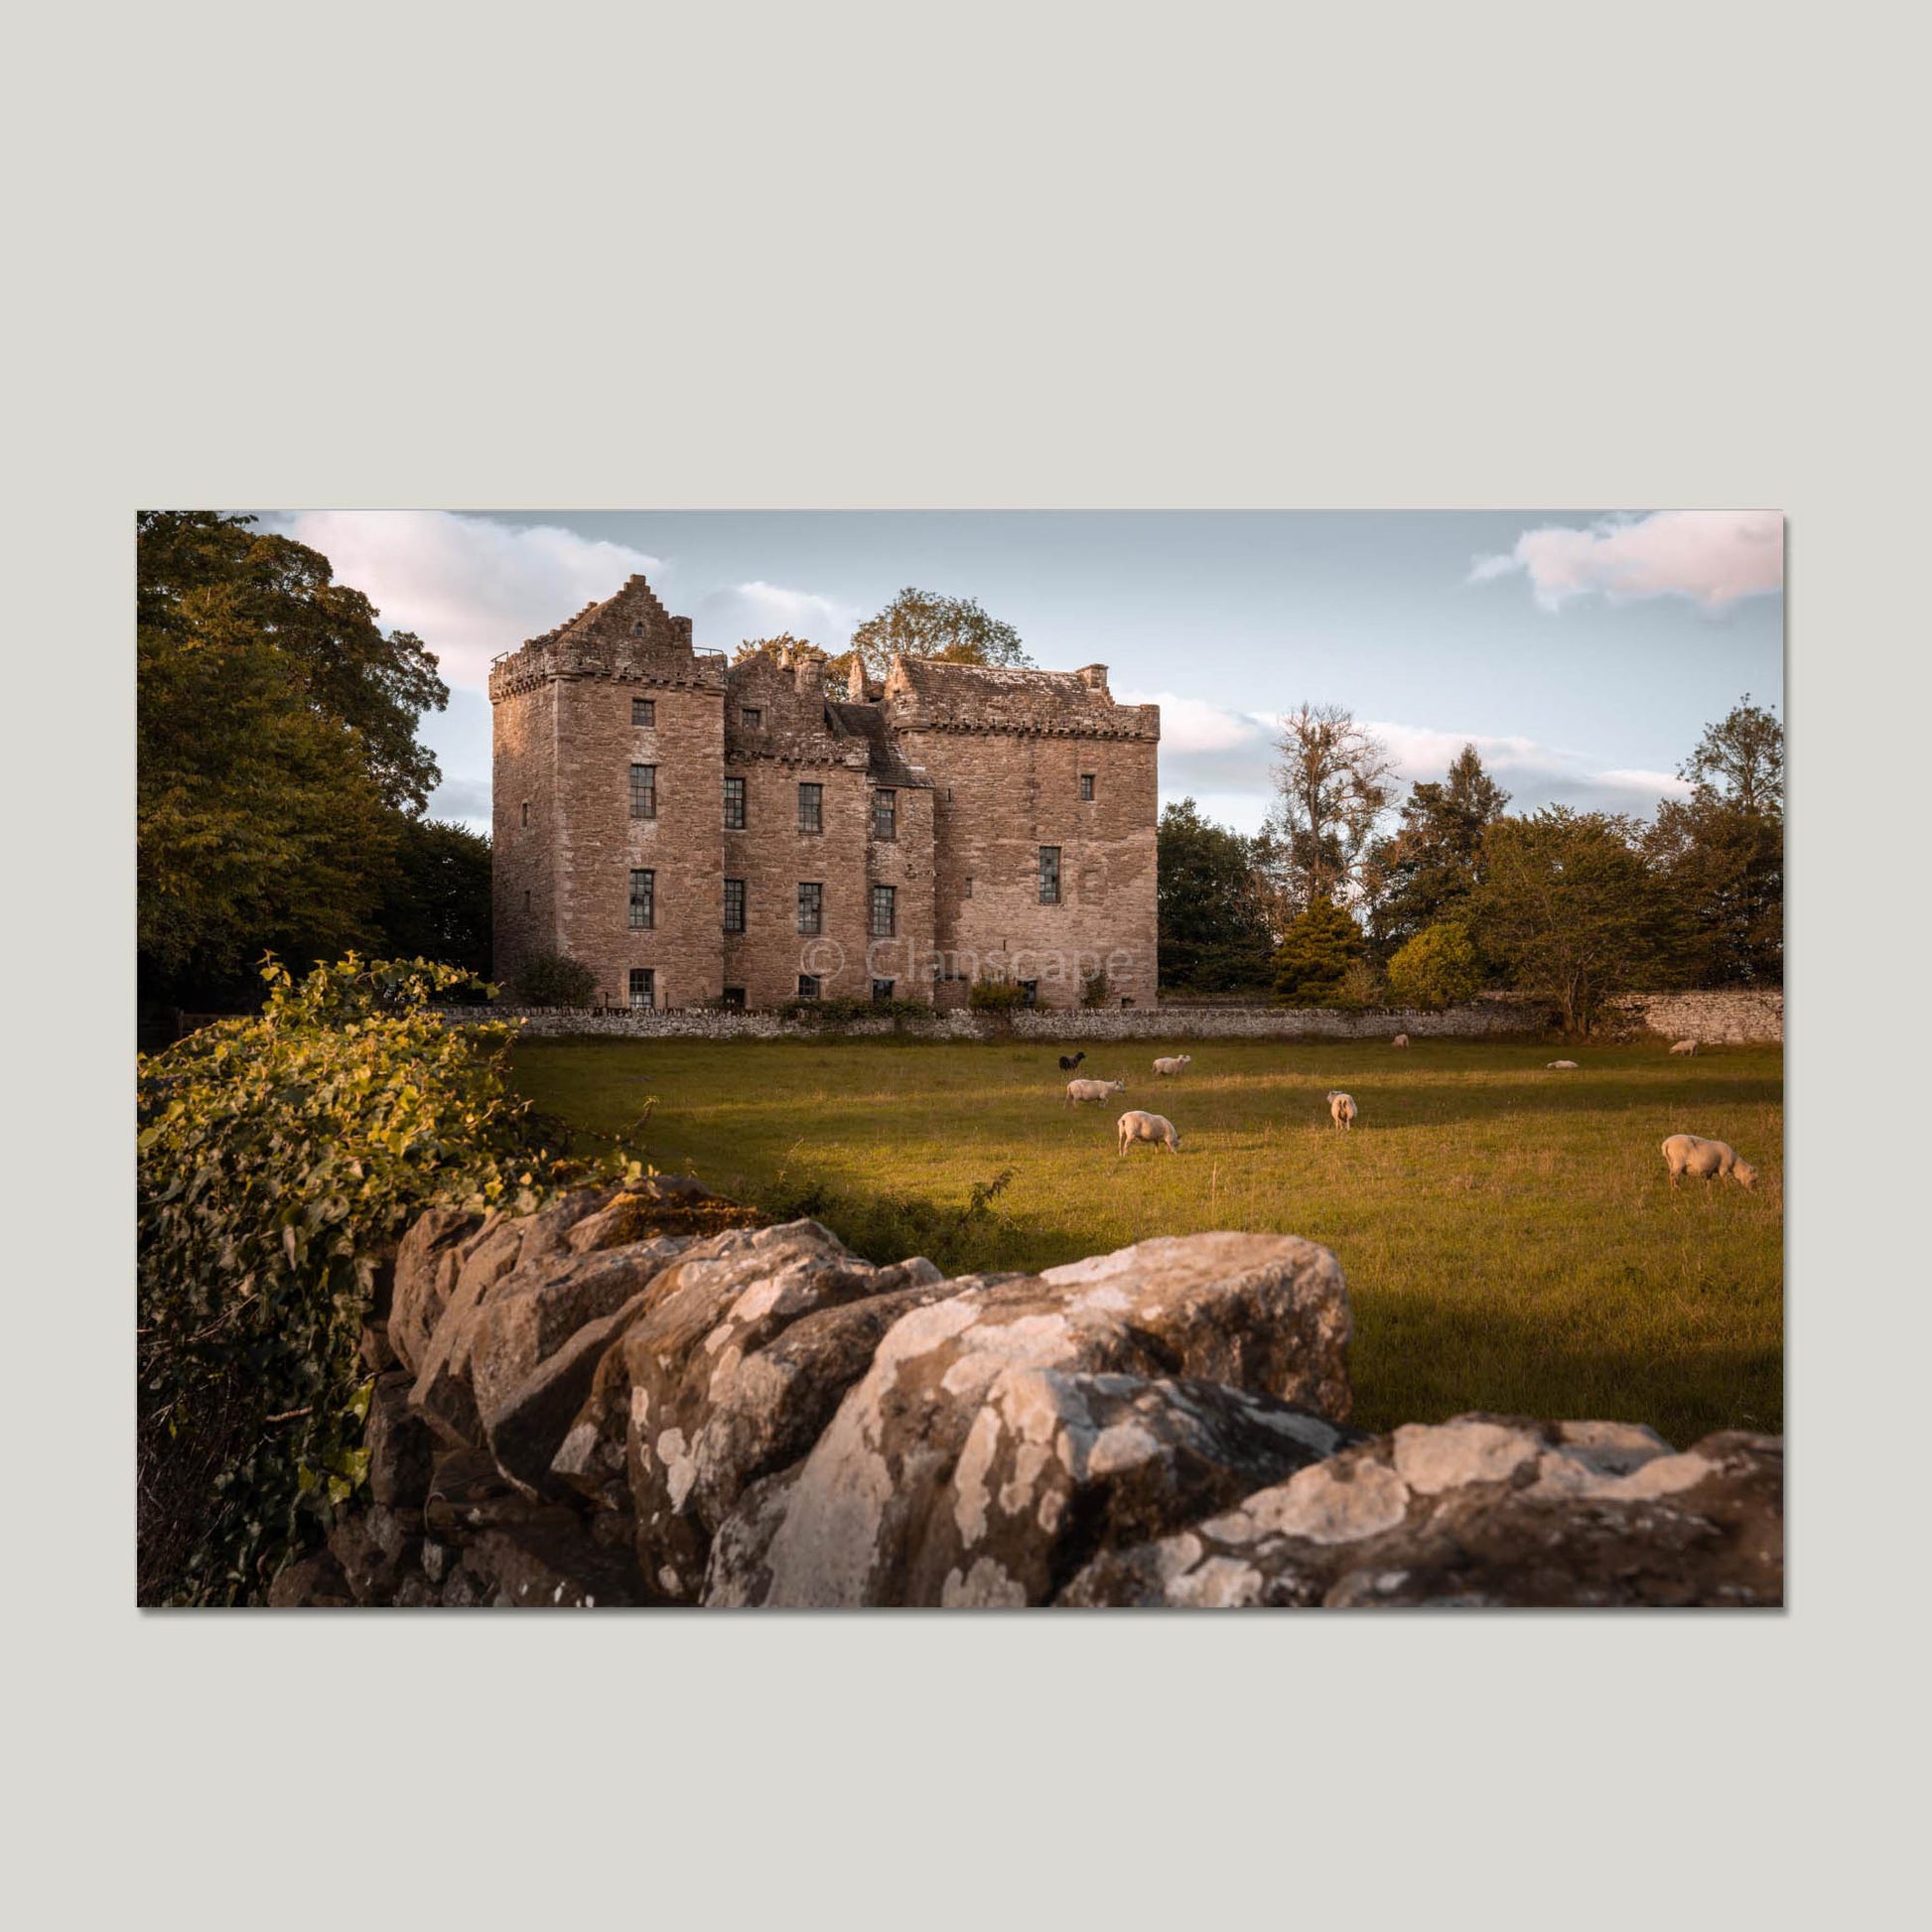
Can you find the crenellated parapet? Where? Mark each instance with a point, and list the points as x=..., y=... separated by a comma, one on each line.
x=926, y=694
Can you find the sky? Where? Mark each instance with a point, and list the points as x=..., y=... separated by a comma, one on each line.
x=1582, y=651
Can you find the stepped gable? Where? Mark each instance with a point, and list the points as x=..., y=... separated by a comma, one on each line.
x=629, y=636
x=926, y=694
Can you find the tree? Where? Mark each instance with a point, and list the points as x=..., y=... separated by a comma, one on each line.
x=1566, y=903
x=1720, y=855
x=436, y=897
x=1333, y=786
x=773, y=648
x=1436, y=969
x=1312, y=963
x=1428, y=870
x=277, y=759
x=922, y=624
x=1214, y=933
x=554, y=979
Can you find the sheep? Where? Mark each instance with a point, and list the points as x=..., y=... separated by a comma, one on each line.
x=1342, y=1110
x=1166, y=1066
x=1068, y=1061
x=1691, y=1154
x=1401, y=1040
x=1685, y=1046
x=1568, y=1067
x=1157, y=1128
x=1078, y=1091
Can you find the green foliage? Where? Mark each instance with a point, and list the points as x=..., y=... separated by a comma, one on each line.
x=832, y=1015
x=1569, y=906
x=280, y=1158
x=1312, y=963
x=995, y=993
x=889, y=1225
x=435, y=902
x=1436, y=968
x=554, y=979
x=1096, y=989
x=277, y=757
x=1426, y=872
x=1362, y=984
x=1214, y=919
x=921, y=624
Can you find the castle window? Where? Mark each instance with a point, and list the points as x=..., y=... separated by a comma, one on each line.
x=644, y=711
x=809, y=986
x=734, y=905
x=526, y=811
x=882, y=991
x=884, y=911
x=735, y=996
x=734, y=804
x=638, y=626
x=643, y=791
x=968, y=893
x=643, y=899
x=1086, y=788
x=811, y=905
x=753, y=717
x=811, y=808
x=643, y=985
x=884, y=815
x=1050, y=874
x=1029, y=989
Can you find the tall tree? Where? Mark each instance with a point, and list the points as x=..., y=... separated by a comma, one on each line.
x=1215, y=933
x=435, y=901
x=1333, y=781
x=1426, y=872
x=922, y=624
x=1566, y=903
x=1313, y=961
x=1720, y=855
x=277, y=759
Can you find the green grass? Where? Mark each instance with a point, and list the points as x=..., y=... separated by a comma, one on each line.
x=1508, y=1234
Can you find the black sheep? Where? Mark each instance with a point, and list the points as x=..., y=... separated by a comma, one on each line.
x=1068, y=1061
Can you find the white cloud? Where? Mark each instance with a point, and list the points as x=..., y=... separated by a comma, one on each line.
x=1712, y=557
x=467, y=585
x=729, y=618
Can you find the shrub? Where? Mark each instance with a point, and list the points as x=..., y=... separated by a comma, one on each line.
x=279, y=1158
x=1095, y=990
x=1361, y=985
x=554, y=979
x=1315, y=955
x=830, y=1016
x=1436, y=968
x=995, y=993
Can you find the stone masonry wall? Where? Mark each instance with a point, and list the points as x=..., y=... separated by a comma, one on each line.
x=523, y=892
x=1732, y=1019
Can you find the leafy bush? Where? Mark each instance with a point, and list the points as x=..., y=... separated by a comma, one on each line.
x=554, y=979
x=1095, y=991
x=828, y=1016
x=280, y=1158
x=1361, y=985
x=888, y=1226
x=996, y=994
x=1436, y=968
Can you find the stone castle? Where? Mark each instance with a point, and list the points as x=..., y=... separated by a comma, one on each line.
x=695, y=830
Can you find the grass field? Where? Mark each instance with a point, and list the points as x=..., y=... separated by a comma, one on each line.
x=1509, y=1235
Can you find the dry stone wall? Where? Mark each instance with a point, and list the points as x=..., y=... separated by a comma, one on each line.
x=1728, y=1018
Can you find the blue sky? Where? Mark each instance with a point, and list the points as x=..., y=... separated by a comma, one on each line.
x=1583, y=650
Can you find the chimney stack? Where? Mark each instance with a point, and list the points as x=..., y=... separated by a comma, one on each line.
x=1094, y=677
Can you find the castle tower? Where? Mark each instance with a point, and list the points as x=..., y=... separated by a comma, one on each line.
x=608, y=740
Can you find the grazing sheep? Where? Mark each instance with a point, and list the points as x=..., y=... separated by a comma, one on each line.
x=1685, y=1046
x=1342, y=1110
x=1172, y=1065
x=1078, y=1091
x=1157, y=1128
x=1566, y=1065
x=1691, y=1154
x=1401, y=1040
x=1068, y=1061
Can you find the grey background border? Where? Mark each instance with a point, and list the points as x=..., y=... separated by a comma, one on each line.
x=1015, y=256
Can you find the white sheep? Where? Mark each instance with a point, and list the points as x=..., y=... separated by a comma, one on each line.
x=1685, y=1046
x=1080, y=1091
x=1166, y=1066
x=1691, y=1154
x=1342, y=1110
x=1157, y=1128
x=1569, y=1066
x=1401, y=1040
